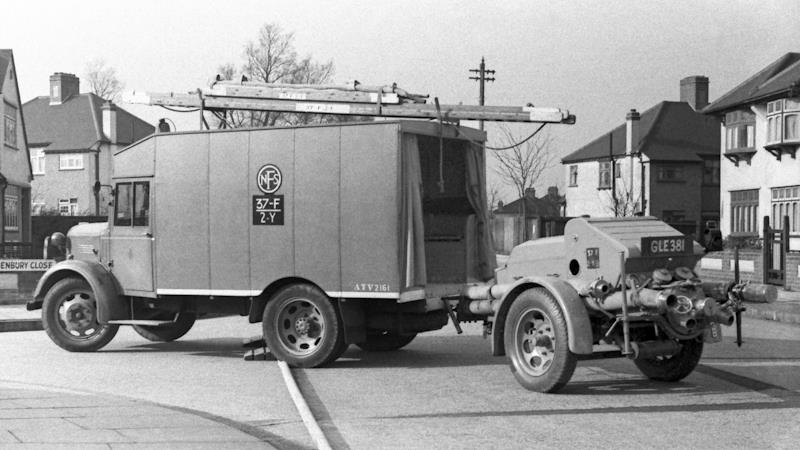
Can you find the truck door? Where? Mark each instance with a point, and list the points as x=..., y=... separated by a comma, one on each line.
x=131, y=240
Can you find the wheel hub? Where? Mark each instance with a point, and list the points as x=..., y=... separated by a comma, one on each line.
x=78, y=314
x=538, y=342
x=300, y=325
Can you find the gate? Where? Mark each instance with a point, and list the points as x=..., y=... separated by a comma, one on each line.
x=776, y=244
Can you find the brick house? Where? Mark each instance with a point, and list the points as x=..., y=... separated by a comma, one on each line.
x=15, y=169
x=543, y=217
x=760, y=136
x=72, y=137
x=663, y=162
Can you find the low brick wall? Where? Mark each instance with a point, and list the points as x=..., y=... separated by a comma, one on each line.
x=718, y=266
x=17, y=288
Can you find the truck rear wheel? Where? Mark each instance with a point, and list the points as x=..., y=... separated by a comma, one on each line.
x=169, y=332
x=69, y=316
x=675, y=367
x=301, y=327
x=386, y=341
x=535, y=339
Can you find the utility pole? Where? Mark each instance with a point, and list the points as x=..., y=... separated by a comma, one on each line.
x=482, y=79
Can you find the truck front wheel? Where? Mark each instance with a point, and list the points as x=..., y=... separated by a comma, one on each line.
x=69, y=315
x=675, y=367
x=535, y=339
x=301, y=327
x=169, y=332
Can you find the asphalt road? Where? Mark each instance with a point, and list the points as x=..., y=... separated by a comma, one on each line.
x=442, y=391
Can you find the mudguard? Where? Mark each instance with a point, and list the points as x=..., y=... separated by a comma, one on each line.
x=111, y=305
x=579, y=329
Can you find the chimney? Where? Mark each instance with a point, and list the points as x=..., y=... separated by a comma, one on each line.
x=552, y=191
x=530, y=192
x=110, y=121
x=631, y=132
x=694, y=91
x=62, y=87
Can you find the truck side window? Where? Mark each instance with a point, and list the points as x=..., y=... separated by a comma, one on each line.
x=141, y=204
x=122, y=205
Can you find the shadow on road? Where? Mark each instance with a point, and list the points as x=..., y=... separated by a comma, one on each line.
x=218, y=347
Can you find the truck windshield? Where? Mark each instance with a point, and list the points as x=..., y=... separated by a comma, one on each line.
x=132, y=204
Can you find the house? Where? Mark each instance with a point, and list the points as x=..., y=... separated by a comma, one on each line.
x=72, y=137
x=760, y=135
x=15, y=169
x=663, y=162
x=543, y=217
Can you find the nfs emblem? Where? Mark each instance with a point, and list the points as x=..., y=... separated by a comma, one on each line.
x=269, y=179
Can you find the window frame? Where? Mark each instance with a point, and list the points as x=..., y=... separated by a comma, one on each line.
x=11, y=221
x=137, y=215
x=778, y=114
x=71, y=205
x=573, y=175
x=10, y=125
x=76, y=157
x=604, y=170
x=744, y=211
x=38, y=157
x=679, y=173
x=740, y=131
x=785, y=200
x=716, y=168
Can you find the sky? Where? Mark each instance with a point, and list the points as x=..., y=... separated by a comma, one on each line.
x=598, y=59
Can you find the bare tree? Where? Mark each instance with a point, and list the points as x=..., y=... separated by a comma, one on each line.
x=103, y=80
x=492, y=197
x=625, y=203
x=522, y=164
x=272, y=59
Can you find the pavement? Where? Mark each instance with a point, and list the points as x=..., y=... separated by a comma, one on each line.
x=46, y=417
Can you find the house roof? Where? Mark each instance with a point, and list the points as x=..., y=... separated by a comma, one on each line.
x=534, y=207
x=669, y=131
x=76, y=124
x=4, y=61
x=774, y=80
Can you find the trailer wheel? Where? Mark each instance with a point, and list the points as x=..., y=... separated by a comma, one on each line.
x=301, y=327
x=69, y=316
x=170, y=332
x=385, y=341
x=536, y=342
x=675, y=367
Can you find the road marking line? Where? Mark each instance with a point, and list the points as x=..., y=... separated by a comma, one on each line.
x=755, y=363
x=302, y=408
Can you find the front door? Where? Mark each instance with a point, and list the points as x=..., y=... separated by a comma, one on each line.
x=131, y=241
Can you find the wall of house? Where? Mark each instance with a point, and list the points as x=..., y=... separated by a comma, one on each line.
x=764, y=172
x=587, y=199
x=58, y=184
x=14, y=160
x=681, y=195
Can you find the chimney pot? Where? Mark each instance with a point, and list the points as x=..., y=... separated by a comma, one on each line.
x=694, y=91
x=62, y=87
x=530, y=192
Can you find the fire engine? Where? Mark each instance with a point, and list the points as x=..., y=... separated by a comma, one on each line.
x=367, y=234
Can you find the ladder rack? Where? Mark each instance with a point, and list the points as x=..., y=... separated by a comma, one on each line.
x=356, y=99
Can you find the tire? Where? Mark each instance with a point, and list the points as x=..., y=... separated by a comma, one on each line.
x=302, y=327
x=536, y=342
x=69, y=316
x=167, y=333
x=385, y=342
x=675, y=367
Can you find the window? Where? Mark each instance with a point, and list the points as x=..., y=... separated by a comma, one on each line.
x=11, y=210
x=744, y=211
x=37, y=161
x=132, y=204
x=711, y=172
x=740, y=130
x=605, y=175
x=670, y=174
x=68, y=206
x=786, y=202
x=783, y=121
x=10, y=125
x=573, y=175
x=70, y=161
x=617, y=169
